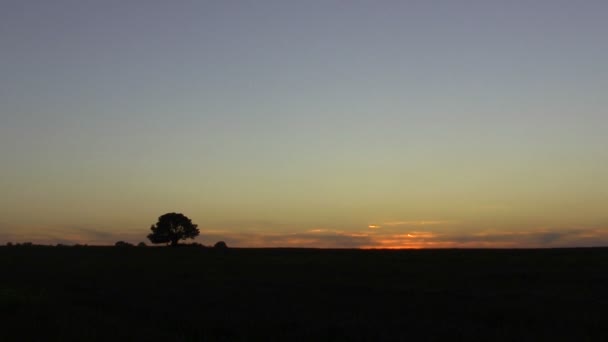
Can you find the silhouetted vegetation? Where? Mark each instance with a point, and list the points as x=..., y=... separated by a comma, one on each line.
x=220, y=245
x=171, y=228
x=197, y=294
x=142, y=244
x=123, y=244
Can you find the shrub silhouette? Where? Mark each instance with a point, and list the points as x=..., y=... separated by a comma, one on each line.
x=220, y=245
x=123, y=244
x=171, y=228
x=142, y=244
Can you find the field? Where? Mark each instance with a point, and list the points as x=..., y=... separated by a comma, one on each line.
x=190, y=294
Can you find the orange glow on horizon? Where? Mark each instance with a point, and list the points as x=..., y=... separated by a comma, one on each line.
x=369, y=238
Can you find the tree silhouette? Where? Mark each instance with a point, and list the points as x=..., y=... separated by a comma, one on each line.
x=171, y=228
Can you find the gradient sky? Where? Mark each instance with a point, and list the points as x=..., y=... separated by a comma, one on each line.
x=306, y=123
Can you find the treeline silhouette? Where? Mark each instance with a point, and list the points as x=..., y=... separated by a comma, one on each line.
x=119, y=244
x=170, y=229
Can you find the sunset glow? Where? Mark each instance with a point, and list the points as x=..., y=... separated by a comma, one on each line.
x=407, y=124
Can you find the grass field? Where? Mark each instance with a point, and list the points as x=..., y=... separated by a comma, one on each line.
x=189, y=294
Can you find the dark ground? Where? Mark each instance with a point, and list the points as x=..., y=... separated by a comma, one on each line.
x=189, y=294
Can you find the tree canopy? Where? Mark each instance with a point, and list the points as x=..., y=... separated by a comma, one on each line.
x=171, y=228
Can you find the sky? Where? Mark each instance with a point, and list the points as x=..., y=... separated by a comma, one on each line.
x=367, y=124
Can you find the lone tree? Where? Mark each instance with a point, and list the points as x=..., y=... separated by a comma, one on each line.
x=171, y=228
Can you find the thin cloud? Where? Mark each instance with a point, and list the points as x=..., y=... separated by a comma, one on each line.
x=410, y=223
x=317, y=231
x=316, y=238
x=50, y=235
x=415, y=223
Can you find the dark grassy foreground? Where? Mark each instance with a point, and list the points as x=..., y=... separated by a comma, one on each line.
x=185, y=294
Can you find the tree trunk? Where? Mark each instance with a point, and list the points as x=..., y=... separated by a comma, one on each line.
x=174, y=243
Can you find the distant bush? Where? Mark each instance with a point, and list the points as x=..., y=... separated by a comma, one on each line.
x=142, y=244
x=123, y=244
x=9, y=244
x=220, y=245
x=191, y=245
